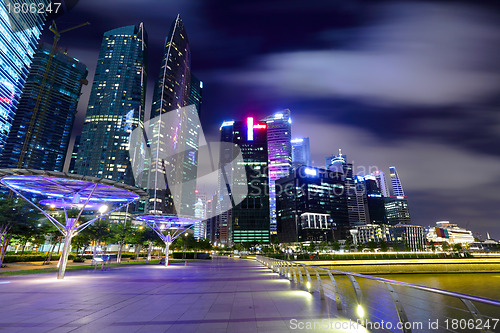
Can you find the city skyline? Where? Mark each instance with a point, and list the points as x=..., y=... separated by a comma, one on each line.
x=424, y=133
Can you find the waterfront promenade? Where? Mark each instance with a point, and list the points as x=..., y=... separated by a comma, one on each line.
x=222, y=295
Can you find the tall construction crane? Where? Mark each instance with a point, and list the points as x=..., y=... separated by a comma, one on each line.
x=34, y=116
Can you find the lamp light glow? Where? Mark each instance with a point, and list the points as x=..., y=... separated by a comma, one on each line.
x=361, y=312
x=103, y=209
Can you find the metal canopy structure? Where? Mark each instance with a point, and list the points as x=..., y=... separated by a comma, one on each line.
x=72, y=194
x=167, y=227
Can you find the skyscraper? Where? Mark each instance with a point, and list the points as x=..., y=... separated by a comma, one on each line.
x=397, y=188
x=116, y=105
x=175, y=110
x=311, y=206
x=39, y=140
x=375, y=199
x=18, y=42
x=279, y=147
x=355, y=195
x=200, y=212
x=396, y=207
x=301, y=152
x=381, y=182
x=250, y=218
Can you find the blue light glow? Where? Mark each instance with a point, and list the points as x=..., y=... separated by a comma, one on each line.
x=311, y=171
x=228, y=123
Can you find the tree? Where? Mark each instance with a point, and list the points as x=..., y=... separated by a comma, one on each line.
x=433, y=246
x=445, y=246
x=457, y=247
x=360, y=246
x=121, y=233
x=383, y=246
x=16, y=218
x=336, y=245
x=348, y=244
x=372, y=245
x=99, y=231
x=323, y=246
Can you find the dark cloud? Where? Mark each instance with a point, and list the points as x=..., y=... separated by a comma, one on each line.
x=410, y=84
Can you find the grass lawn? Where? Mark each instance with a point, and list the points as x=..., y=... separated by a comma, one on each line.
x=79, y=268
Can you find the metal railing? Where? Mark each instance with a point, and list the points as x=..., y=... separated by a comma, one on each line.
x=389, y=305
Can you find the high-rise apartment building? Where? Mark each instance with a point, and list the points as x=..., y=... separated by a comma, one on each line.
x=301, y=152
x=279, y=128
x=250, y=218
x=116, y=105
x=45, y=113
x=19, y=35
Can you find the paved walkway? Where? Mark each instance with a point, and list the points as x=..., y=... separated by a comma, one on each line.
x=222, y=295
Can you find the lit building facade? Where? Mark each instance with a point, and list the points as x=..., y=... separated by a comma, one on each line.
x=45, y=113
x=250, y=218
x=396, y=210
x=444, y=231
x=397, y=187
x=19, y=36
x=376, y=233
x=279, y=128
x=116, y=105
x=304, y=200
x=301, y=152
x=354, y=193
x=175, y=128
x=409, y=237
x=375, y=199
x=200, y=212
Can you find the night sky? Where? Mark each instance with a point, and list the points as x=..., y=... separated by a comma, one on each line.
x=410, y=84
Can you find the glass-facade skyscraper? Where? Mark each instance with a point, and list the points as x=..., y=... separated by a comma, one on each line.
x=250, y=217
x=44, y=118
x=397, y=188
x=312, y=206
x=175, y=128
x=116, y=105
x=18, y=42
x=301, y=152
x=279, y=135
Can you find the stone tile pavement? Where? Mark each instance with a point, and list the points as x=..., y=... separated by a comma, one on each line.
x=221, y=295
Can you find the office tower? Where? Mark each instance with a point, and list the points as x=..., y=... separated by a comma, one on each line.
x=311, y=206
x=409, y=237
x=301, y=152
x=74, y=154
x=116, y=105
x=279, y=128
x=396, y=210
x=212, y=217
x=381, y=183
x=375, y=199
x=397, y=188
x=200, y=212
x=175, y=126
x=195, y=93
x=250, y=218
x=356, y=202
x=41, y=129
x=396, y=207
x=18, y=42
